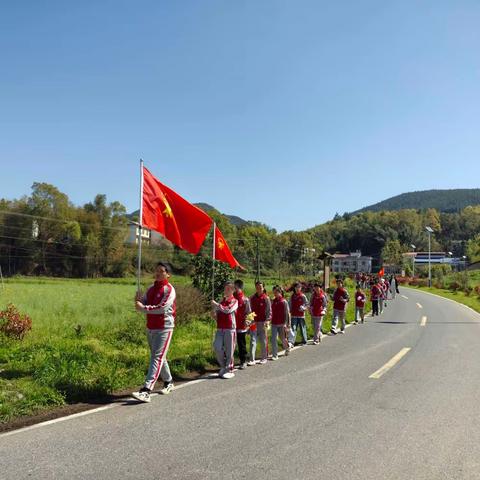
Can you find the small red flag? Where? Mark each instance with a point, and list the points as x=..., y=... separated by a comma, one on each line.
x=381, y=273
x=166, y=212
x=222, y=250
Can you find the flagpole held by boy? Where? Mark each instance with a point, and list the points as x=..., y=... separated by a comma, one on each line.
x=139, y=265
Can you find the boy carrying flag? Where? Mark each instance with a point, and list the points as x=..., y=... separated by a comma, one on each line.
x=159, y=304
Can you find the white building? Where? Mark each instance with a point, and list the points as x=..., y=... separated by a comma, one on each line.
x=133, y=230
x=352, y=262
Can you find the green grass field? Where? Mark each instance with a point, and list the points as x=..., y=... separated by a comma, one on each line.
x=87, y=341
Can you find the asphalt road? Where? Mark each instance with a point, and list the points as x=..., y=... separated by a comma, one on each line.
x=316, y=414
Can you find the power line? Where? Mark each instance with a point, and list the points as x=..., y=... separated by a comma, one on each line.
x=7, y=212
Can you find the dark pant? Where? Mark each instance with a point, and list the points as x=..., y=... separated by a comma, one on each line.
x=242, y=346
x=374, y=307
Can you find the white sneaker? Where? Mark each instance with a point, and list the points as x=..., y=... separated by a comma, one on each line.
x=316, y=342
x=274, y=357
x=227, y=375
x=142, y=396
x=342, y=331
x=222, y=372
x=263, y=361
x=242, y=366
x=251, y=363
x=167, y=388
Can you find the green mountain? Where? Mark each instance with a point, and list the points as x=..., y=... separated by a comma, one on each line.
x=448, y=201
x=234, y=219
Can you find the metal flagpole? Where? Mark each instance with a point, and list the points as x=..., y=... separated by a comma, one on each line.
x=213, y=261
x=139, y=266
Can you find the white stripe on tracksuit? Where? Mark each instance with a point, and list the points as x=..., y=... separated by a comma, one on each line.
x=159, y=341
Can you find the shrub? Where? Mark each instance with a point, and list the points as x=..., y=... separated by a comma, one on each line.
x=454, y=286
x=476, y=289
x=419, y=282
x=14, y=324
x=202, y=275
x=191, y=303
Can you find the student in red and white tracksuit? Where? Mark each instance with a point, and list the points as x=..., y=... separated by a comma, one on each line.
x=159, y=304
x=375, y=294
x=298, y=305
x=360, y=299
x=261, y=305
x=241, y=323
x=280, y=321
x=318, y=309
x=382, y=297
x=340, y=300
x=225, y=336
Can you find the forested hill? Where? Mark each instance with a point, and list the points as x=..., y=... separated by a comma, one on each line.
x=442, y=200
x=234, y=219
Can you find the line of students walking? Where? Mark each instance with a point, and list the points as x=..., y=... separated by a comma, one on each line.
x=237, y=316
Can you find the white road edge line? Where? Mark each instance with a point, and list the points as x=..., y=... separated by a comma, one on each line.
x=447, y=299
x=423, y=321
x=391, y=363
x=404, y=296
x=418, y=305
x=119, y=404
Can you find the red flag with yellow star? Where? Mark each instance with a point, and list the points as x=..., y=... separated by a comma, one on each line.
x=166, y=212
x=222, y=250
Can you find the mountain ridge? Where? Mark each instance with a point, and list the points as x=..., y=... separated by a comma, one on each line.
x=443, y=200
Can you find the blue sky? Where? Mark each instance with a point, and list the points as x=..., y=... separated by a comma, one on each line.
x=284, y=112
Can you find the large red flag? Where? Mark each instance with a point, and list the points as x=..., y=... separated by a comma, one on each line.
x=166, y=212
x=222, y=250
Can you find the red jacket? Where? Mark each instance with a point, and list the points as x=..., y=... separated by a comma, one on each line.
x=360, y=299
x=375, y=292
x=339, y=294
x=280, y=313
x=298, y=305
x=160, y=306
x=225, y=312
x=318, y=304
x=262, y=306
x=242, y=311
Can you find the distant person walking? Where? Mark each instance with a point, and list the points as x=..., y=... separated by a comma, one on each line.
x=262, y=307
x=393, y=286
x=318, y=309
x=280, y=321
x=340, y=300
x=159, y=304
x=298, y=305
x=360, y=299
x=241, y=322
x=375, y=294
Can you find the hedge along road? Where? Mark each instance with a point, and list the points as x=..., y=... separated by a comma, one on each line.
x=318, y=413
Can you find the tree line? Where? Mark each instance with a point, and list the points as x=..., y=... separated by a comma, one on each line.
x=45, y=234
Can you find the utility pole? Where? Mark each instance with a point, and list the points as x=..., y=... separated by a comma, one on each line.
x=430, y=231
x=257, y=247
x=413, y=257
